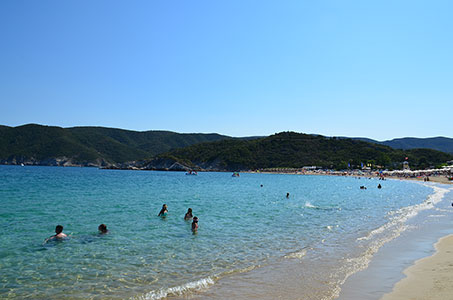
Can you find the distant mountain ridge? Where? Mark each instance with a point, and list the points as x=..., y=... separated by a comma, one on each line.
x=89, y=146
x=440, y=143
x=34, y=144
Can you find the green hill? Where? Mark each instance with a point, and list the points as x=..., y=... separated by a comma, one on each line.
x=295, y=150
x=100, y=146
x=110, y=147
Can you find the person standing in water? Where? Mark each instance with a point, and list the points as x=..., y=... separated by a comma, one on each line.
x=195, y=224
x=163, y=212
x=188, y=214
x=287, y=195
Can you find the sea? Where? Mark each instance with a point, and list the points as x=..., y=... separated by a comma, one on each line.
x=253, y=242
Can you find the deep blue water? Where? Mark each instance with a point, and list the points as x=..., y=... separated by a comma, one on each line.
x=241, y=225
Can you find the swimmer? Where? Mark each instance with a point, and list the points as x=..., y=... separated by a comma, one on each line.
x=261, y=185
x=103, y=229
x=195, y=224
x=59, y=235
x=379, y=186
x=287, y=195
x=188, y=214
x=163, y=212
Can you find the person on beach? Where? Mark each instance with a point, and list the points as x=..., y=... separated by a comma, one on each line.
x=59, y=235
x=163, y=212
x=195, y=224
x=188, y=214
x=103, y=229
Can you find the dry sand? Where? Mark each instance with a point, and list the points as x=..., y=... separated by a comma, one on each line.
x=429, y=278
x=437, y=179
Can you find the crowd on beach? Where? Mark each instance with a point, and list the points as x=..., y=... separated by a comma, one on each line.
x=444, y=175
x=445, y=172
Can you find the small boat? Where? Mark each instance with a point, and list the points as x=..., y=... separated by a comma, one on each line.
x=192, y=173
x=22, y=165
x=235, y=174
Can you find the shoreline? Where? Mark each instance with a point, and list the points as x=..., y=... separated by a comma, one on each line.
x=402, y=252
x=434, y=177
x=258, y=277
x=429, y=277
x=437, y=176
x=408, y=266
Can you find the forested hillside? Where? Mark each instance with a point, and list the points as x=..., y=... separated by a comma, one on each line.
x=50, y=145
x=295, y=150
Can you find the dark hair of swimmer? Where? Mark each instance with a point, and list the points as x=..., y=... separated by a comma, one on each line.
x=194, y=223
x=163, y=210
x=58, y=229
x=102, y=228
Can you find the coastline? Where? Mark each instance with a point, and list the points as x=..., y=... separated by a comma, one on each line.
x=437, y=176
x=404, y=255
x=419, y=248
x=429, y=277
x=417, y=265
x=436, y=179
x=302, y=259
x=420, y=245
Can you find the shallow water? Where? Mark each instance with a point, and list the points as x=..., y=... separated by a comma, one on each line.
x=387, y=266
x=327, y=223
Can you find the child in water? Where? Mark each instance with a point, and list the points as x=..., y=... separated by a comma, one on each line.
x=195, y=224
x=188, y=214
x=163, y=212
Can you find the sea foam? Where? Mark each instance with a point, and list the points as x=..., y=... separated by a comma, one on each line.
x=194, y=286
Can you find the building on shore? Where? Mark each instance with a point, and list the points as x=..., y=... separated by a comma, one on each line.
x=406, y=165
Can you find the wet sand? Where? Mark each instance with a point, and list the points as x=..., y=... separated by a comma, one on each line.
x=409, y=267
x=429, y=278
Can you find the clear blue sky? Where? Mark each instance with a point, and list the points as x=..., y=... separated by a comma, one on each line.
x=378, y=69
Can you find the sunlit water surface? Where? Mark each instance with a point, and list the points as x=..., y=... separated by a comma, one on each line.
x=242, y=225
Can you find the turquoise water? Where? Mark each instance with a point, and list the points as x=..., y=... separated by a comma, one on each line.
x=241, y=226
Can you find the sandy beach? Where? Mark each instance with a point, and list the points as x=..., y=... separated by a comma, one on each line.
x=429, y=278
x=418, y=265
x=438, y=179
x=438, y=176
